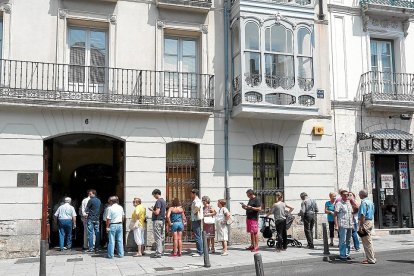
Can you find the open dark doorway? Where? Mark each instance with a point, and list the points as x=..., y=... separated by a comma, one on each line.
x=76, y=163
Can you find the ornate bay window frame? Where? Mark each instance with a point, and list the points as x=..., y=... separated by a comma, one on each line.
x=297, y=90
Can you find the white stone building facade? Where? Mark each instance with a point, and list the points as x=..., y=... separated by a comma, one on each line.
x=372, y=94
x=127, y=96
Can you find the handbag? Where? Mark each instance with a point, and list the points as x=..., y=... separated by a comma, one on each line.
x=133, y=224
x=362, y=232
x=209, y=220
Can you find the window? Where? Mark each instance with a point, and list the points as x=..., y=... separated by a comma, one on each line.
x=87, y=59
x=182, y=175
x=382, y=66
x=286, y=53
x=235, y=38
x=180, y=65
x=252, y=54
x=1, y=37
x=267, y=172
x=305, y=62
x=279, y=57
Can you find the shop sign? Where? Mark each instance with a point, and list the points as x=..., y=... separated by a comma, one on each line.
x=387, y=181
x=403, y=167
x=389, y=145
x=365, y=145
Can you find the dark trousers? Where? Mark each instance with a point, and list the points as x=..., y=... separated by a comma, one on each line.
x=331, y=229
x=281, y=234
x=308, y=223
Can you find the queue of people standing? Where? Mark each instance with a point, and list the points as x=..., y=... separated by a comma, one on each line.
x=351, y=219
x=90, y=210
x=344, y=214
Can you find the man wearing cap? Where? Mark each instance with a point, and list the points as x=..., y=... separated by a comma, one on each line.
x=196, y=218
x=66, y=217
x=344, y=223
x=308, y=211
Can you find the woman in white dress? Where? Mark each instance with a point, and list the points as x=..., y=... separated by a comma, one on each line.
x=223, y=215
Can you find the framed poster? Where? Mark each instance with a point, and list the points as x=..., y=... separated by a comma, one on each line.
x=389, y=192
x=403, y=168
x=387, y=181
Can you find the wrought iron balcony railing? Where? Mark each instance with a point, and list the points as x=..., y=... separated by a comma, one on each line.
x=386, y=86
x=409, y=4
x=50, y=83
x=309, y=3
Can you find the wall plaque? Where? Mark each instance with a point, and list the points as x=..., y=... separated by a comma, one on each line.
x=27, y=180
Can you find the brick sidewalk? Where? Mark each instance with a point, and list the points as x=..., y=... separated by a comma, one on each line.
x=81, y=264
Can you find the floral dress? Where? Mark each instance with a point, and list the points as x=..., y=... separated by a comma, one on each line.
x=209, y=228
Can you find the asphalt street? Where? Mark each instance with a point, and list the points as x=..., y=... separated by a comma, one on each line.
x=390, y=263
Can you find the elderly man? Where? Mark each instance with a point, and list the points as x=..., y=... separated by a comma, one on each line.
x=308, y=211
x=84, y=216
x=114, y=218
x=344, y=223
x=366, y=223
x=66, y=217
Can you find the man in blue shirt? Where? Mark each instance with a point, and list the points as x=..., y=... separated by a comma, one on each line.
x=366, y=223
x=93, y=211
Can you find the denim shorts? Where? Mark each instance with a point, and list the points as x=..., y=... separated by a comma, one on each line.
x=177, y=227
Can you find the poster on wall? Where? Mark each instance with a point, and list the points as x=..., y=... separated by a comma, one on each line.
x=387, y=181
x=403, y=175
x=373, y=175
x=389, y=192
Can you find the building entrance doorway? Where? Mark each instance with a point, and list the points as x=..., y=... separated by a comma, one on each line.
x=392, y=195
x=76, y=163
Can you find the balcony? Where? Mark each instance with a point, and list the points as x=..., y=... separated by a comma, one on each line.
x=64, y=85
x=201, y=6
x=387, y=91
x=403, y=9
x=275, y=98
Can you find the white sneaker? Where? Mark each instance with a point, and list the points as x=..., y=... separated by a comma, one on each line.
x=196, y=255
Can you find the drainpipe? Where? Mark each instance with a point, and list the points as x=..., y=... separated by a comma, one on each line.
x=321, y=16
x=226, y=103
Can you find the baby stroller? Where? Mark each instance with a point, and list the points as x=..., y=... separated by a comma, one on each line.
x=269, y=229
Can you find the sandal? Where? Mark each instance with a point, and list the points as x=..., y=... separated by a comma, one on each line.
x=251, y=247
x=366, y=262
x=138, y=255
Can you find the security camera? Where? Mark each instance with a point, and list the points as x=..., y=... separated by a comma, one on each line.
x=405, y=116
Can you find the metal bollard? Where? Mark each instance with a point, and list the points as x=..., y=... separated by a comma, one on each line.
x=258, y=264
x=42, y=267
x=205, y=249
x=325, y=240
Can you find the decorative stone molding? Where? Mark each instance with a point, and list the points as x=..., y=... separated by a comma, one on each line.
x=63, y=13
x=160, y=24
x=204, y=29
x=365, y=20
x=405, y=26
x=7, y=8
x=113, y=19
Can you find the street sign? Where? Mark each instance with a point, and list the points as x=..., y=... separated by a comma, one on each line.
x=365, y=145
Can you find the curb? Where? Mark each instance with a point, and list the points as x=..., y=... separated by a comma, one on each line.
x=251, y=268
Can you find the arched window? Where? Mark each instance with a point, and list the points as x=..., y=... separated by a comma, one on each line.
x=267, y=172
x=305, y=60
x=252, y=54
x=279, y=59
x=235, y=38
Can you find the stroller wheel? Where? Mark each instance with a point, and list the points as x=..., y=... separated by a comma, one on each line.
x=270, y=242
x=298, y=244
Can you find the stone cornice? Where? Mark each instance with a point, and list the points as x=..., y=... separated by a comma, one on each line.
x=344, y=9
